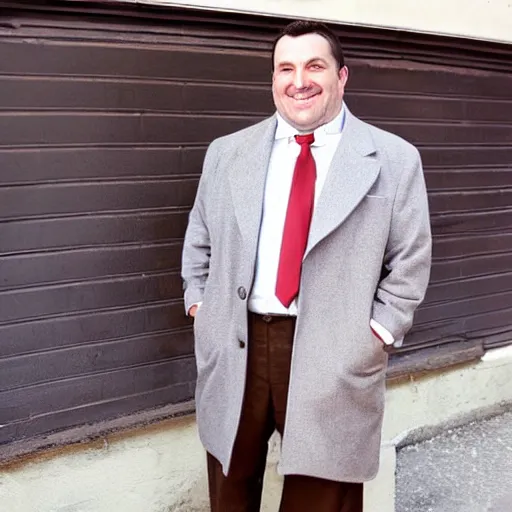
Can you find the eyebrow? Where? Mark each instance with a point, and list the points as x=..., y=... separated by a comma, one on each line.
x=310, y=61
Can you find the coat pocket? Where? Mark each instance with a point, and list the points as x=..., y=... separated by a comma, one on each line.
x=204, y=329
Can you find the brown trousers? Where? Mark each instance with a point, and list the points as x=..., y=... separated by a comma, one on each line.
x=263, y=411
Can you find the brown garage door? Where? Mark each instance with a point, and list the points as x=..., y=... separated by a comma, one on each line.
x=105, y=117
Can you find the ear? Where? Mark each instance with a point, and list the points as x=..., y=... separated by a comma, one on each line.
x=343, y=74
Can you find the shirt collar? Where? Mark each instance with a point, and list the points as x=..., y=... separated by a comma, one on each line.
x=285, y=130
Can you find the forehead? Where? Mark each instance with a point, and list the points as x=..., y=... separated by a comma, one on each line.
x=302, y=49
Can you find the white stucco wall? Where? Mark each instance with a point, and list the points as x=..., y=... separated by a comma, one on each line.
x=161, y=468
x=154, y=469
x=478, y=19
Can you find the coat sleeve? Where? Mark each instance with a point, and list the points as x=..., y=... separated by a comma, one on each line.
x=196, y=246
x=407, y=257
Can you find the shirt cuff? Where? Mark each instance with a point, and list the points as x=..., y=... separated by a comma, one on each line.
x=381, y=332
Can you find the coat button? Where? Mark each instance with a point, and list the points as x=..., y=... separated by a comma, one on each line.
x=242, y=293
x=241, y=344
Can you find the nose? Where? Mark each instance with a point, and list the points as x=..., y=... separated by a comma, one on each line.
x=298, y=79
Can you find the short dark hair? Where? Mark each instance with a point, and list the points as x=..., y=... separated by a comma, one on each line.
x=301, y=28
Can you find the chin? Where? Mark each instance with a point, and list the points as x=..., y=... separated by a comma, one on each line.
x=305, y=124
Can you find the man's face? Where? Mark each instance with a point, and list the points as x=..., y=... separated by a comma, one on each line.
x=307, y=85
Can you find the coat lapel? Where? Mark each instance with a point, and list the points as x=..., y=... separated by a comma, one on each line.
x=247, y=176
x=354, y=169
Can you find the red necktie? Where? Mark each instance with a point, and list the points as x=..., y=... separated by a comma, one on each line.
x=298, y=220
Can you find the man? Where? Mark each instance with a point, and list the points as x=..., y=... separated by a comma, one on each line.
x=307, y=251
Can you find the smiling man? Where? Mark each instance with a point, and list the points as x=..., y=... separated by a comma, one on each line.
x=307, y=251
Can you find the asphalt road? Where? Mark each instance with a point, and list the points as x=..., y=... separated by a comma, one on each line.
x=468, y=469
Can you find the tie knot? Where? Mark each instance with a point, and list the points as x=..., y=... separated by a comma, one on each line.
x=309, y=138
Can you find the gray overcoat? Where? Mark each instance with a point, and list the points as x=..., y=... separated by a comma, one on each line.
x=372, y=212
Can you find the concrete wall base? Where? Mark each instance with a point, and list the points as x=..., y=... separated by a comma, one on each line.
x=161, y=468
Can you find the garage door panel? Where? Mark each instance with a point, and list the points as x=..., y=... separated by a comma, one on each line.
x=91, y=326
x=51, y=300
x=470, y=201
x=90, y=413
x=87, y=359
x=107, y=59
x=103, y=129
x=90, y=198
x=417, y=78
x=85, y=94
x=471, y=221
x=462, y=268
x=449, y=133
x=64, y=164
x=77, y=264
x=474, y=178
x=475, y=155
x=414, y=106
x=461, y=329
x=463, y=308
x=470, y=287
x=91, y=230
x=448, y=247
x=66, y=394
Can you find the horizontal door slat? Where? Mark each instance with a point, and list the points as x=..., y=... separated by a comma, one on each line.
x=470, y=267
x=91, y=230
x=117, y=95
x=33, y=369
x=17, y=404
x=37, y=129
x=54, y=164
x=130, y=61
x=75, y=265
x=88, y=296
x=99, y=411
x=90, y=198
x=90, y=327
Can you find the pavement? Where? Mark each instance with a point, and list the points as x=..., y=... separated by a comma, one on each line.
x=467, y=469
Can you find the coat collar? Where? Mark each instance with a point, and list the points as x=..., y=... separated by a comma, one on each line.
x=247, y=176
x=354, y=169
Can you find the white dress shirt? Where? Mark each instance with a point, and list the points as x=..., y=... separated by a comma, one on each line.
x=275, y=204
x=284, y=154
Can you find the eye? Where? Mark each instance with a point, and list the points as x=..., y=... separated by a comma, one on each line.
x=316, y=67
x=286, y=70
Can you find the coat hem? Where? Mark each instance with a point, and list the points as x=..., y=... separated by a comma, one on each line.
x=284, y=471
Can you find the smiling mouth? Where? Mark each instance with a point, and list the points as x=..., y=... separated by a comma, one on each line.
x=304, y=99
